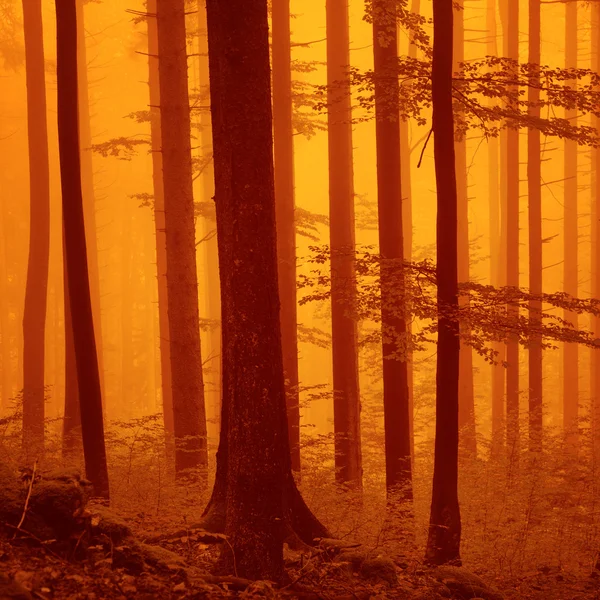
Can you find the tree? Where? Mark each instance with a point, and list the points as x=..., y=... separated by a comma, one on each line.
x=346, y=395
x=254, y=492
x=534, y=189
x=189, y=416
x=283, y=133
x=34, y=312
x=92, y=423
x=443, y=543
x=391, y=248
x=571, y=235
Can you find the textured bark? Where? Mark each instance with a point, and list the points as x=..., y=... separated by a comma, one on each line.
x=159, y=221
x=283, y=134
x=255, y=498
x=571, y=235
x=512, y=248
x=466, y=394
x=393, y=298
x=92, y=424
x=36, y=290
x=497, y=248
x=534, y=188
x=443, y=543
x=87, y=182
x=346, y=399
x=189, y=416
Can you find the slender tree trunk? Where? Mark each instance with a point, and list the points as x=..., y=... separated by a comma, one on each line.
x=466, y=412
x=346, y=400
x=159, y=221
x=443, y=544
x=283, y=133
x=391, y=250
x=189, y=416
x=534, y=186
x=92, y=423
x=571, y=235
x=497, y=248
x=6, y=389
x=36, y=290
x=87, y=182
x=127, y=352
x=512, y=249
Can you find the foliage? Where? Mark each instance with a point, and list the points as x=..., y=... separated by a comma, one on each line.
x=12, y=51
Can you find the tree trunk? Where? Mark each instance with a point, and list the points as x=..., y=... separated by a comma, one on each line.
x=36, y=290
x=443, y=543
x=286, y=229
x=534, y=187
x=127, y=385
x=497, y=223
x=571, y=235
x=6, y=389
x=466, y=395
x=189, y=416
x=159, y=221
x=393, y=297
x=92, y=423
x=512, y=249
x=346, y=395
x=87, y=182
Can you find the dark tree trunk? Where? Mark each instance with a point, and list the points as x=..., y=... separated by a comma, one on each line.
x=286, y=230
x=534, y=187
x=443, y=544
x=466, y=395
x=255, y=498
x=389, y=202
x=159, y=220
x=189, y=416
x=571, y=235
x=92, y=423
x=512, y=249
x=346, y=395
x=36, y=290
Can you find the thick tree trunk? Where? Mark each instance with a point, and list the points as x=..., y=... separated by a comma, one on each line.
x=512, y=249
x=255, y=498
x=87, y=182
x=159, y=221
x=466, y=394
x=571, y=235
x=534, y=186
x=283, y=133
x=393, y=297
x=189, y=416
x=36, y=290
x=92, y=423
x=346, y=395
x=443, y=544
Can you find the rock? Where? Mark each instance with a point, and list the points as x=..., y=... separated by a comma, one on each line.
x=379, y=568
x=106, y=522
x=12, y=590
x=463, y=584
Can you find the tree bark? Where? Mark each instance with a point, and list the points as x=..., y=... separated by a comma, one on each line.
x=189, y=415
x=36, y=290
x=571, y=235
x=443, y=543
x=534, y=187
x=391, y=249
x=346, y=394
x=92, y=423
x=283, y=133
x=159, y=222
x=6, y=388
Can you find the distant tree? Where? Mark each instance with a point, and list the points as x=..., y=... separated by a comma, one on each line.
x=283, y=132
x=189, y=413
x=6, y=383
x=255, y=499
x=346, y=394
x=443, y=543
x=34, y=312
x=391, y=247
x=92, y=423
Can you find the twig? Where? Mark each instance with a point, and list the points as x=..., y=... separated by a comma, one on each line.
x=28, y=496
x=424, y=146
